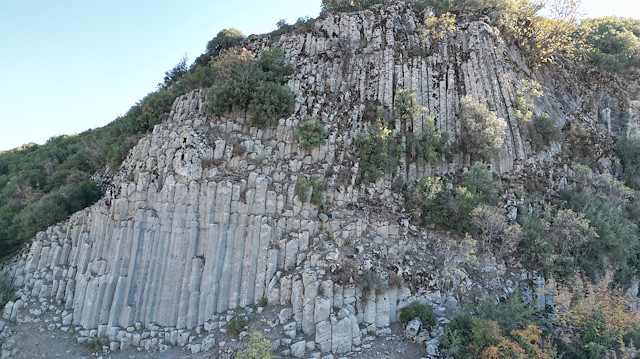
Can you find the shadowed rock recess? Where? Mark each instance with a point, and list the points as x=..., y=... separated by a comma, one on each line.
x=203, y=216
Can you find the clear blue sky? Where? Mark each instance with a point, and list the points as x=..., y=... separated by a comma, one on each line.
x=67, y=66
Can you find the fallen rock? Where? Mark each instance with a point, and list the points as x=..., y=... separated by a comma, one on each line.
x=412, y=329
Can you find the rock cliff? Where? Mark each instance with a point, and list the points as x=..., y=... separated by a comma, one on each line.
x=203, y=217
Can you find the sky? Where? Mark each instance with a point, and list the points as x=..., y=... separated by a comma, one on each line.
x=68, y=66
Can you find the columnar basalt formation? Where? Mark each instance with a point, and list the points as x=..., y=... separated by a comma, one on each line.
x=203, y=216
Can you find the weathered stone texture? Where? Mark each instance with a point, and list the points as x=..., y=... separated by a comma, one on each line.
x=190, y=228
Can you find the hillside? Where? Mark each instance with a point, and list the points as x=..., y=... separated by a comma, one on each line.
x=340, y=175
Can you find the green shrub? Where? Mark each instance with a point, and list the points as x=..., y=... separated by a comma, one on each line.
x=612, y=43
x=237, y=324
x=450, y=207
x=629, y=153
x=605, y=203
x=498, y=330
x=225, y=39
x=311, y=133
x=595, y=320
x=542, y=131
x=274, y=66
x=175, y=74
x=263, y=302
x=593, y=231
x=527, y=91
x=456, y=338
x=257, y=348
x=7, y=291
x=252, y=86
x=370, y=281
x=270, y=102
x=482, y=130
x=378, y=152
x=317, y=187
x=373, y=111
x=422, y=311
x=430, y=145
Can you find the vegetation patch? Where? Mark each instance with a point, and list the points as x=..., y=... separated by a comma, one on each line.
x=311, y=133
x=7, y=291
x=237, y=325
x=429, y=145
x=313, y=185
x=417, y=310
x=378, y=152
x=370, y=281
x=482, y=130
x=450, y=207
x=95, y=344
x=498, y=330
x=629, y=153
x=595, y=320
x=612, y=44
x=527, y=91
x=252, y=86
x=258, y=347
x=542, y=132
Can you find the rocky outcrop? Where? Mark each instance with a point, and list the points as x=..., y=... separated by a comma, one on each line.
x=351, y=59
x=203, y=217
x=196, y=227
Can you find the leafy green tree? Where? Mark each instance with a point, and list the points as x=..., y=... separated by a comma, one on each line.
x=378, y=152
x=236, y=80
x=419, y=310
x=482, y=130
x=450, y=207
x=498, y=330
x=255, y=87
x=542, y=132
x=612, y=44
x=270, y=102
x=274, y=67
x=629, y=153
x=176, y=73
x=605, y=204
x=428, y=146
x=225, y=39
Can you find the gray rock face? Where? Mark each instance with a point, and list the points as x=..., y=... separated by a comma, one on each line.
x=298, y=349
x=412, y=328
x=342, y=335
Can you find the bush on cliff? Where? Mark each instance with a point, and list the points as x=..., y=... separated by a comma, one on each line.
x=378, y=152
x=629, y=153
x=310, y=133
x=7, y=291
x=430, y=145
x=418, y=310
x=252, y=86
x=542, y=132
x=509, y=329
x=450, y=207
x=257, y=348
x=612, y=44
x=482, y=130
